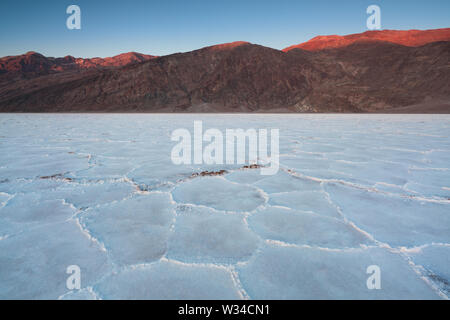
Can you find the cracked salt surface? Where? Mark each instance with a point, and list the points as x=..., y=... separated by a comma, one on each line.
x=100, y=192
x=205, y=235
x=218, y=193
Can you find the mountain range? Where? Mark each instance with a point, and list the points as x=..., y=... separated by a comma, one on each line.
x=374, y=71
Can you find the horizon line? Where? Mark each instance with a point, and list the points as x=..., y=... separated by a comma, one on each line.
x=218, y=44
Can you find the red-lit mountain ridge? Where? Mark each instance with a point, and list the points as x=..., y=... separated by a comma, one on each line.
x=359, y=73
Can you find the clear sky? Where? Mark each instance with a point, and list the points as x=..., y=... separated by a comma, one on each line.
x=168, y=26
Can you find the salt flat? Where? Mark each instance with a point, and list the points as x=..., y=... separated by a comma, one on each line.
x=100, y=191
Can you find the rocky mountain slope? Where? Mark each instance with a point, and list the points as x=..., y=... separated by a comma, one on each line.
x=411, y=38
x=32, y=64
x=362, y=76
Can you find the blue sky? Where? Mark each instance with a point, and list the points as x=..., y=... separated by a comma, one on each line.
x=169, y=26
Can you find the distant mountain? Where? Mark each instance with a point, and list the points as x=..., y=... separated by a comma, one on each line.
x=364, y=76
x=33, y=64
x=410, y=38
x=116, y=61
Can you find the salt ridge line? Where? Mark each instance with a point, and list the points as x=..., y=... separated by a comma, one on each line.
x=354, y=185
